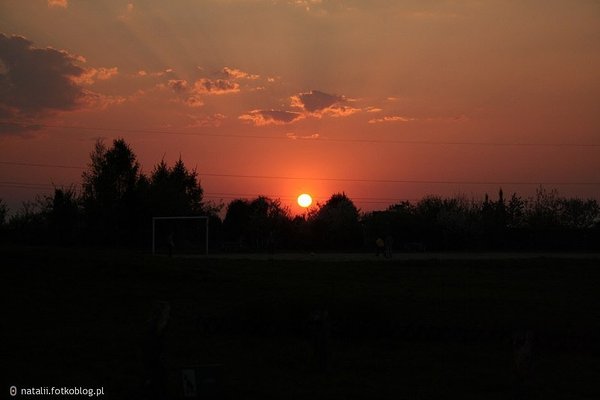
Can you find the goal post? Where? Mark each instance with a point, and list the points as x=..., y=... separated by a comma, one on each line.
x=184, y=218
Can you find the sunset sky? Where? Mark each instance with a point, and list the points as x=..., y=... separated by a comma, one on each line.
x=384, y=100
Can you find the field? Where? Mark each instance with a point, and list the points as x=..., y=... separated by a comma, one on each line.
x=402, y=328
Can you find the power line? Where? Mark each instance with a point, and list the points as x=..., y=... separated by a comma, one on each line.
x=362, y=180
x=27, y=184
x=217, y=195
x=442, y=182
x=402, y=181
x=40, y=165
x=320, y=139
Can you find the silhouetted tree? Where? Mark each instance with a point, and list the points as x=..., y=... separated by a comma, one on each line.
x=458, y=219
x=29, y=224
x=261, y=224
x=578, y=213
x=175, y=191
x=62, y=213
x=516, y=211
x=495, y=220
x=3, y=212
x=335, y=225
x=430, y=231
x=398, y=221
x=113, y=192
x=236, y=220
x=544, y=210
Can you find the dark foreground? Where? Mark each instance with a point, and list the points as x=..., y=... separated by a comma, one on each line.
x=476, y=329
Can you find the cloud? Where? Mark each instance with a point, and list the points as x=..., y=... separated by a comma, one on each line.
x=142, y=73
x=91, y=75
x=185, y=94
x=374, y=109
x=341, y=111
x=206, y=121
x=392, y=118
x=58, y=3
x=101, y=101
x=311, y=104
x=34, y=80
x=216, y=86
x=234, y=73
x=315, y=101
x=317, y=104
x=271, y=117
x=183, y=91
x=194, y=101
x=178, y=85
x=294, y=136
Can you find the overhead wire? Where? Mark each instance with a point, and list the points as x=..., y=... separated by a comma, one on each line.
x=279, y=138
x=362, y=180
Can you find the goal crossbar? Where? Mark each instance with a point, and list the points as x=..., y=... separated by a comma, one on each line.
x=154, y=219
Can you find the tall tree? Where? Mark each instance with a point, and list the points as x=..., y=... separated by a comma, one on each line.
x=112, y=192
x=175, y=190
x=336, y=224
x=262, y=223
x=62, y=212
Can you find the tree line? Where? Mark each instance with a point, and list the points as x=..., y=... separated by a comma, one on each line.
x=116, y=203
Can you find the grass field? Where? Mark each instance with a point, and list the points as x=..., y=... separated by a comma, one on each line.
x=413, y=329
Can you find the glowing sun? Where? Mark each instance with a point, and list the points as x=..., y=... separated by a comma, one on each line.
x=304, y=200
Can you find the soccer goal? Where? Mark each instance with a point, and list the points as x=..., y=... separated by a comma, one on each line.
x=180, y=235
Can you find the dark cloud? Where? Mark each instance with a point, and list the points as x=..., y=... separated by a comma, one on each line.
x=318, y=103
x=315, y=101
x=186, y=94
x=311, y=104
x=234, y=73
x=216, y=86
x=34, y=80
x=271, y=117
x=178, y=85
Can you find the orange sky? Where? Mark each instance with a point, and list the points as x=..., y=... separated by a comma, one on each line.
x=395, y=99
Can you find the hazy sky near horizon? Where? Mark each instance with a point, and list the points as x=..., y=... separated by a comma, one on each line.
x=307, y=89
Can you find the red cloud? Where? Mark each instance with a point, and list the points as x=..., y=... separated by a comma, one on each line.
x=216, y=86
x=341, y=111
x=178, y=85
x=234, y=73
x=393, y=118
x=194, y=101
x=271, y=117
x=294, y=136
x=315, y=101
x=92, y=75
x=318, y=103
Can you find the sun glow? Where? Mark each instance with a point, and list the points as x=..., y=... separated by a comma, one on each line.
x=304, y=200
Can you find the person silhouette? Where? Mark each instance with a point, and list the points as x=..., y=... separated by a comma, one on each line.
x=380, y=246
x=171, y=243
x=389, y=245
